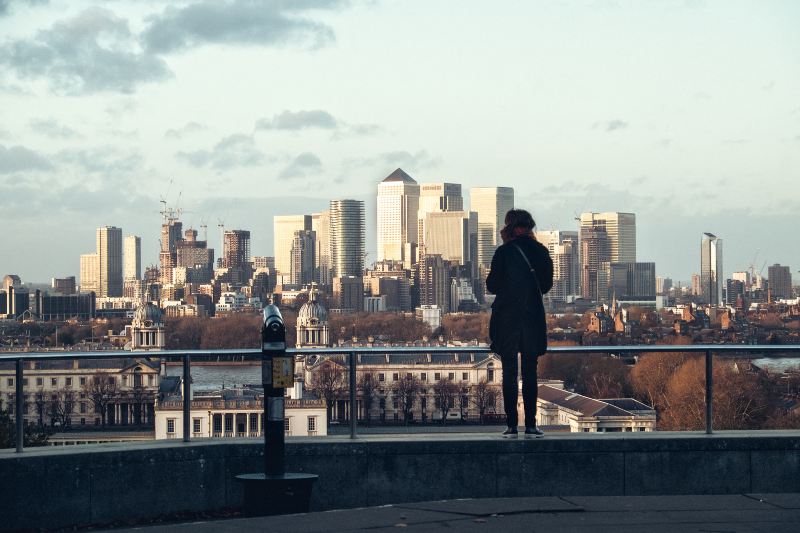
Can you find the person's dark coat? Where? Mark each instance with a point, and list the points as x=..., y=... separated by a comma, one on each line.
x=518, y=318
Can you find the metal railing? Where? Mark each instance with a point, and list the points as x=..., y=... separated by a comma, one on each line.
x=352, y=352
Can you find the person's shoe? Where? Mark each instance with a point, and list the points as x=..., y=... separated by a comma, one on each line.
x=510, y=433
x=533, y=433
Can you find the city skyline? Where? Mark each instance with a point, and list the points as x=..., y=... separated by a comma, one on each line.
x=655, y=109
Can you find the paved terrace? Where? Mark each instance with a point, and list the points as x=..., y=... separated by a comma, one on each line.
x=142, y=482
x=739, y=513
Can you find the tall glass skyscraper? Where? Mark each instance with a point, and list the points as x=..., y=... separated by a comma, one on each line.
x=347, y=237
x=621, y=231
x=398, y=209
x=491, y=204
x=109, y=261
x=711, y=269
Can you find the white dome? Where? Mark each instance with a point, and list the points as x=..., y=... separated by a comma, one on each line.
x=147, y=313
x=311, y=314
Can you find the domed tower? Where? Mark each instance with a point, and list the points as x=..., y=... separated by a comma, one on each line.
x=312, y=324
x=147, y=329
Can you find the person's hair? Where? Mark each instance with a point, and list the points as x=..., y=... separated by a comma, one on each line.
x=518, y=222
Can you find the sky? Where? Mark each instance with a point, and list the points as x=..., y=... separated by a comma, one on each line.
x=686, y=113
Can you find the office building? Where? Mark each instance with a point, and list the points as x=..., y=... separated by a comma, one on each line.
x=780, y=282
x=711, y=279
x=348, y=293
x=437, y=198
x=195, y=258
x=397, y=210
x=303, y=251
x=321, y=226
x=132, y=256
x=594, y=250
x=284, y=228
x=64, y=286
x=347, y=238
x=627, y=282
x=453, y=235
x=89, y=277
x=109, y=261
x=621, y=231
x=565, y=252
x=434, y=282
x=491, y=204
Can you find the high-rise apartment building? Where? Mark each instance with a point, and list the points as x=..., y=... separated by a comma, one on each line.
x=303, y=251
x=627, y=282
x=397, y=209
x=434, y=282
x=453, y=235
x=195, y=257
x=711, y=279
x=284, y=227
x=436, y=198
x=491, y=204
x=347, y=237
x=565, y=252
x=109, y=261
x=65, y=286
x=236, y=255
x=780, y=282
x=171, y=235
x=132, y=268
x=348, y=293
x=621, y=231
x=321, y=226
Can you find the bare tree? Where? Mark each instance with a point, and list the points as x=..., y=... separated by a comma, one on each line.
x=101, y=389
x=444, y=393
x=40, y=402
x=368, y=384
x=406, y=391
x=61, y=407
x=328, y=382
x=484, y=397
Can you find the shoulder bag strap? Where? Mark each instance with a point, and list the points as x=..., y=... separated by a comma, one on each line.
x=530, y=267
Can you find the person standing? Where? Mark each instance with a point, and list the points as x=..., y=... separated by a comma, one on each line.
x=521, y=273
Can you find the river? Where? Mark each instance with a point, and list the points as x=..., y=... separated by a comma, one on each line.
x=212, y=377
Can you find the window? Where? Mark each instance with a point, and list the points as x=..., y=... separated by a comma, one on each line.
x=395, y=376
x=423, y=376
x=83, y=381
x=39, y=382
x=217, y=424
x=641, y=428
x=124, y=380
x=423, y=403
x=25, y=382
x=490, y=372
x=286, y=425
x=312, y=423
x=451, y=376
x=253, y=423
x=83, y=408
x=586, y=430
x=381, y=377
x=437, y=376
x=170, y=426
x=83, y=421
x=111, y=380
x=409, y=375
x=150, y=379
x=82, y=395
x=68, y=382
x=54, y=382
x=10, y=382
x=196, y=424
x=465, y=376
x=228, y=423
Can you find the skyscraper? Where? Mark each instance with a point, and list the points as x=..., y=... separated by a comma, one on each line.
x=452, y=235
x=621, y=231
x=284, y=228
x=565, y=252
x=595, y=250
x=711, y=269
x=89, y=277
x=133, y=258
x=434, y=282
x=491, y=204
x=171, y=235
x=437, y=198
x=236, y=255
x=780, y=282
x=347, y=237
x=109, y=261
x=398, y=209
x=321, y=226
x=303, y=251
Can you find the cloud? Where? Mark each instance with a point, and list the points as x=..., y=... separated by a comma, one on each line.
x=5, y=4
x=238, y=22
x=236, y=150
x=302, y=165
x=610, y=125
x=51, y=128
x=401, y=158
x=186, y=129
x=106, y=160
x=92, y=52
x=298, y=120
x=19, y=158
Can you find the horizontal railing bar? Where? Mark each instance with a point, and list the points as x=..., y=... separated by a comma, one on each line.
x=255, y=352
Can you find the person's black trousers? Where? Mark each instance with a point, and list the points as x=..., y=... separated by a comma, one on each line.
x=511, y=388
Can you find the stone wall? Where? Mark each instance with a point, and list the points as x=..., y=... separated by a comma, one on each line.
x=125, y=483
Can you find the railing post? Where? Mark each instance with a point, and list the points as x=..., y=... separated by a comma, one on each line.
x=187, y=398
x=709, y=392
x=353, y=404
x=20, y=408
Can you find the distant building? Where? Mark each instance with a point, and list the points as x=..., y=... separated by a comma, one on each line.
x=321, y=226
x=284, y=227
x=780, y=282
x=430, y=314
x=64, y=306
x=147, y=328
x=621, y=231
x=437, y=198
x=559, y=407
x=109, y=265
x=312, y=324
x=132, y=256
x=629, y=282
x=453, y=235
x=89, y=274
x=434, y=282
x=348, y=293
x=347, y=237
x=564, y=248
x=397, y=213
x=711, y=276
x=491, y=204
x=65, y=286
x=303, y=257
x=595, y=250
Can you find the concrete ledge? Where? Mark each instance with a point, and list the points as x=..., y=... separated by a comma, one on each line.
x=104, y=483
